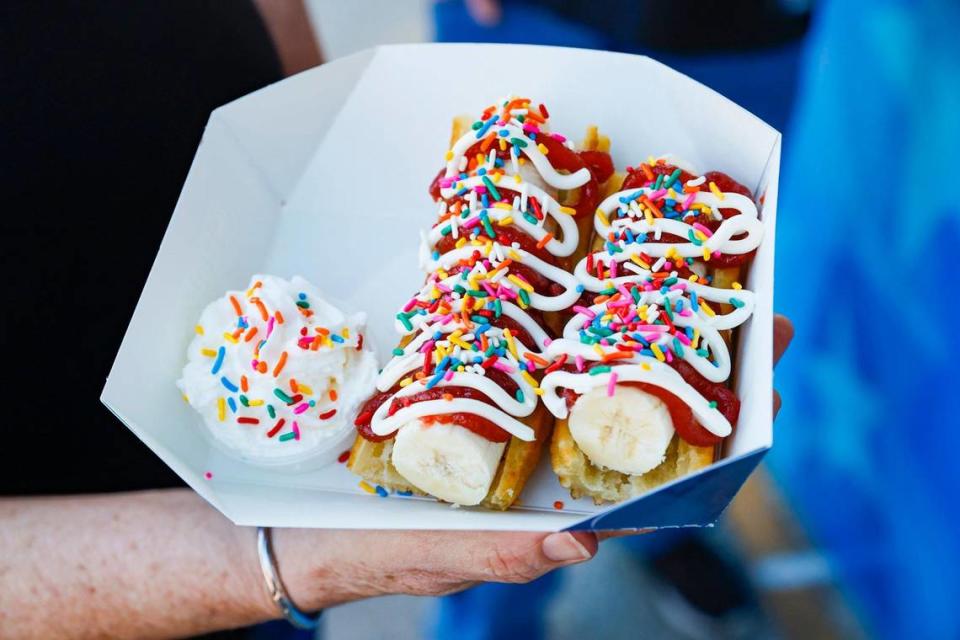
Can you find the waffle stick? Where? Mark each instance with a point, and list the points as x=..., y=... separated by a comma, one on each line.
x=583, y=478
x=373, y=460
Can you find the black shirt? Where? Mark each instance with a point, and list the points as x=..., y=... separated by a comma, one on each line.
x=103, y=107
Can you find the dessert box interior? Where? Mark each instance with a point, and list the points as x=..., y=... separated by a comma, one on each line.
x=325, y=175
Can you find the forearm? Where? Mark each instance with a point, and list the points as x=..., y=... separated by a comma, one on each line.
x=164, y=563
x=147, y=564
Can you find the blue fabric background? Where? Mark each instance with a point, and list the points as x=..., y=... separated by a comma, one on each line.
x=867, y=242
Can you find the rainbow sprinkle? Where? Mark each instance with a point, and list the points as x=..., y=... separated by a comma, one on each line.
x=253, y=328
x=463, y=320
x=645, y=315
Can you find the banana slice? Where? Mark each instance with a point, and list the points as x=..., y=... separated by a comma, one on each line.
x=628, y=432
x=447, y=461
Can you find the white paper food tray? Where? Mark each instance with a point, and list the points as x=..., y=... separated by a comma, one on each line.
x=325, y=175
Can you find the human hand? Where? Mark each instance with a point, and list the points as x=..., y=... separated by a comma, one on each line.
x=321, y=568
x=782, y=335
x=324, y=567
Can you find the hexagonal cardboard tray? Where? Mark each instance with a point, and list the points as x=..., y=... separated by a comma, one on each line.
x=282, y=183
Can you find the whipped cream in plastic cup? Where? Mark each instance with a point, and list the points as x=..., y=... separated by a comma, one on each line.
x=277, y=374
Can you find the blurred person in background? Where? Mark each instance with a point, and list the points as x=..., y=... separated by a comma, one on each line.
x=869, y=232
x=104, y=106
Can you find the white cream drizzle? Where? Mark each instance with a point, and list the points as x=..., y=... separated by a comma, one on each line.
x=506, y=409
x=660, y=375
x=550, y=175
x=537, y=300
x=647, y=368
x=562, y=247
x=721, y=239
x=707, y=326
x=428, y=325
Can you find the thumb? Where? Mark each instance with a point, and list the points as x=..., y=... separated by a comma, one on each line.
x=328, y=566
x=566, y=547
x=521, y=557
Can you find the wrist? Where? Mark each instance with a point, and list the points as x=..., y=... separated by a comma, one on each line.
x=315, y=572
x=295, y=552
x=255, y=597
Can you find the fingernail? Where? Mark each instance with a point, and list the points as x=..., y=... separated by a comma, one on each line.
x=563, y=547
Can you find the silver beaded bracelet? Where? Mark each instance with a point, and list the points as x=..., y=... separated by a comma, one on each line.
x=278, y=593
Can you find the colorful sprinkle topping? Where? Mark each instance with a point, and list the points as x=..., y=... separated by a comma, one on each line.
x=492, y=266
x=251, y=356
